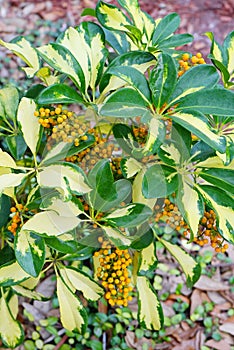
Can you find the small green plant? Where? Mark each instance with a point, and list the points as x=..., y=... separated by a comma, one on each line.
x=124, y=143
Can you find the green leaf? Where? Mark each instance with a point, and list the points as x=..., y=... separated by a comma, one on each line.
x=134, y=78
x=27, y=293
x=11, y=274
x=88, y=12
x=221, y=68
x=123, y=190
x=30, y=252
x=67, y=178
x=111, y=16
x=9, y=100
x=129, y=216
x=124, y=136
x=49, y=223
x=222, y=178
x=61, y=59
x=159, y=181
x=197, y=78
x=72, y=313
x=64, y=243
x=117, y=40
x=59, y=93
x=197, y=123
x=223, y=205
x=11, y=331
x=29, y=124
x=165, y=27
x=216, y=49
x=150, y=314
x=127, y=95
x=23, y=48
x=137, y=195
x=148, y=259
x=102, y=180
x=175, y=40
x=7, y=255
x=78, y=280
x=143, y=238
x=16, y=145
x=191, y=269
x=162, y=80
x=216, y=101
x=5, y=205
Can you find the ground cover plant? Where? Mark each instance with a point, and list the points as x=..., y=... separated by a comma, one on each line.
x=121, y=141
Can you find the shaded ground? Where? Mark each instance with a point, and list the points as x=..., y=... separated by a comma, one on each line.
x=197, y=17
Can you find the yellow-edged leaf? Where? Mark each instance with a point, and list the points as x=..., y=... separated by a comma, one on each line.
x=9, y=191
x=26, y=52
x=148, y=259
x=72, y=312
x=230, y=52
x=64, y=178
x=50, y=223
x=187, y=263
x=215, y=162
x=82, y=282
x=150, y=312
x=31, y=282
x=131, y=167
x=12, y=274
x=11, y=331
x=29, y=124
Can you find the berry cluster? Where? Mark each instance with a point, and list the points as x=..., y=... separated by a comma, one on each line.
x=189, y=61
x=100, y=149
x=113, y=273
x=47, y=117
x=208, y=232
x=16, y=218
x=169, y=213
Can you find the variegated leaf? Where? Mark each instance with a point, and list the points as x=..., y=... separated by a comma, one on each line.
x=65, y=177
x=215, y=162
x=191, y=269
x=137, y=195
x=27, y=293
x=60, y=58
x=228, y=45
x=82, y=282
x=117, y=237
x=66, y=209
x=10, y=180
x=9, y=100
x=189, y=203
x=129, y=216
x=49, y=223
x=148, y=259
x=72, y=313
x=22, y=48
x=150, y=313
x=13, y=305
x=12, y=274
x=6, y=160
x=130, y=167
x=216, y=49
x=29, y=124
x=11, y=331
x=30, y=252
x=133, y=8
x=197, y=124
x=111, y=17
x=223, y=205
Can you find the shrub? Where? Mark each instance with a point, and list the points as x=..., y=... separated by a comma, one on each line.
x=122, y=140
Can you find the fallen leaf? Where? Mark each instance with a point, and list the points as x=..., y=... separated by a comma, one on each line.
x=206, y=283
x=219, y=345
x=227, y=327
x=197, y=298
